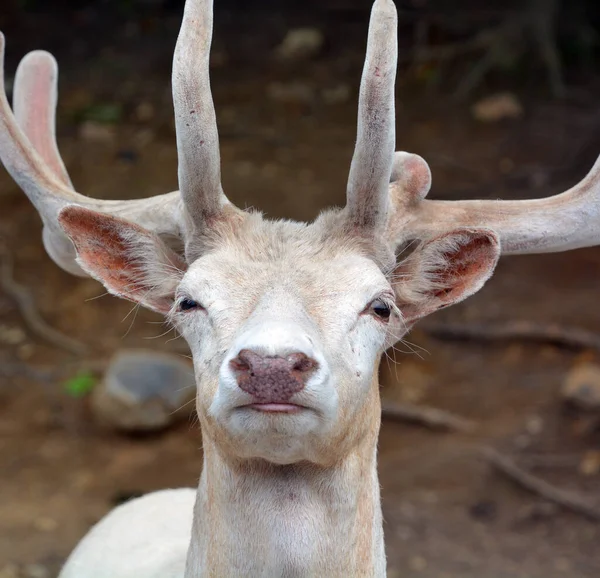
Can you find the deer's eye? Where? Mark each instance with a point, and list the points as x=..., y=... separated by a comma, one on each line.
x=380, y=309
x=186, y=304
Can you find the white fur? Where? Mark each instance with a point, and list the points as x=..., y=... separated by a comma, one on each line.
x=145, y=538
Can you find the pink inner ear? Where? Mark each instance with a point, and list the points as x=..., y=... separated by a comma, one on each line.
x=120, y=255
x=444, y=271
x=468, y=262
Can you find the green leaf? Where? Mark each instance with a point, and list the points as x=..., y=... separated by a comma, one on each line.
x=80, y=385
x=103, y=113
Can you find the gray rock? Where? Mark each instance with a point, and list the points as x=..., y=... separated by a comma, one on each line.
x=144, y=390
x=300, y=44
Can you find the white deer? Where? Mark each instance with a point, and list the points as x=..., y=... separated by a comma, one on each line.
x=286, y=321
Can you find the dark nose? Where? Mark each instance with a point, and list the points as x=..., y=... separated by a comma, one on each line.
x=272, y=379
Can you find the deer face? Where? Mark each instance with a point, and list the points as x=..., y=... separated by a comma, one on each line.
x=286, y=321
x=286, y=331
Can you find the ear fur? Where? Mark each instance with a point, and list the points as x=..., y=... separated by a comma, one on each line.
x=444, y=271
x=130, y=261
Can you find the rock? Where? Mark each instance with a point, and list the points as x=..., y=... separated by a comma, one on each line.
x=300, y=44
x=590, y=463
x=291, y=93
x=26, y=351
x=12, y=335
x=45, y=524
x=9, y=571
x=97, y=132
x=36, y=571
x=417, y=563
x=144, y=390
x=496, y=107
x=581, y=387
x=534, y=425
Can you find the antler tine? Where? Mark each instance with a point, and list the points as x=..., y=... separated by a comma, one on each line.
x=21, y=159
x=569, y=220
x=37, y=168
x=34, y=106
x=367, y=192
x=195, y=120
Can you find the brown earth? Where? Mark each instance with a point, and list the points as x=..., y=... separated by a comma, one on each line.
x=447, y=513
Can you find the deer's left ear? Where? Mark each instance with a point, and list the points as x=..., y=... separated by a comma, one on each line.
x=444, y=271
x=130, y=261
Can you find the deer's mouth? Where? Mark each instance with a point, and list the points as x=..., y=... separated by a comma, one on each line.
x=276, y=407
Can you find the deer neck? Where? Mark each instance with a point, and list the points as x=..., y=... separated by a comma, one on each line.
x=259, y=519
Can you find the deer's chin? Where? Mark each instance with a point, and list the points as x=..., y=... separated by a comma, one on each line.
x=278, y=433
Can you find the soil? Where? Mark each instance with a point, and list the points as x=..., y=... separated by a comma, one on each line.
x=447, y=513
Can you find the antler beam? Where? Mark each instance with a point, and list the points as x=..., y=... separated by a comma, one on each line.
x=566, y=221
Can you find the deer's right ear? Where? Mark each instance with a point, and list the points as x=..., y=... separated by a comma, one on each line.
x=130, y=261
x=444, y=271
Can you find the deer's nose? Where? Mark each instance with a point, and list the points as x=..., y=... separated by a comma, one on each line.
x=272, y=378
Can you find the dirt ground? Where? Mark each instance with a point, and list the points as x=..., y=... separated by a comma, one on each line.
x=447, y=512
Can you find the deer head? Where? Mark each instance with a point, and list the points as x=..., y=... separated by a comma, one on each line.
x=286, y=321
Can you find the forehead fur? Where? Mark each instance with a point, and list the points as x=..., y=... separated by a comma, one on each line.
x=257, y=239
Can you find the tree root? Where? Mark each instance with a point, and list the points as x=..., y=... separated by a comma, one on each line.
x=569, y=337
x=565, y=498
x=28, y=309
x=431, y=417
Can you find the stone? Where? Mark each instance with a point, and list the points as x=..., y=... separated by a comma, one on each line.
x=45, y=524
x=581, y=387
x=96, y=132
x=9, y=571
x=300, y=44
x=12, y=335
x=143, y=391
x=497, y=107
x=36, y=571
x=590, y=463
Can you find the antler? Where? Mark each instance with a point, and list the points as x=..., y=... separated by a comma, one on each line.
x=367, y=192
x=566, y=221
x=28, y=151
x=195, y=120
x=34, y=98
x=569, y=220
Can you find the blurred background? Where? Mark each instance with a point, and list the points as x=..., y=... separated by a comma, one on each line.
x=500, y=97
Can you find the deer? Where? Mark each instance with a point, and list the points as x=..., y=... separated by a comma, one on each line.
x=286, y=321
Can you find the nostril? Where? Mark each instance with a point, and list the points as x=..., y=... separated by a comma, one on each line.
x=301, y=362
x=239, y=365
x=244, y=361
